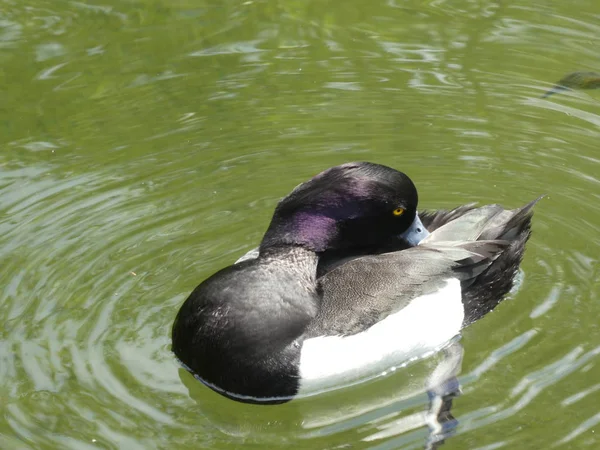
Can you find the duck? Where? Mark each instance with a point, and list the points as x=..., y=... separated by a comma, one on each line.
x=349, y=281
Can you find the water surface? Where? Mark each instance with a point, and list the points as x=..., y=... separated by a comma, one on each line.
x=144, y=145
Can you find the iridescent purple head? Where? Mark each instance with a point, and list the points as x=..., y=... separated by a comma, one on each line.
x=355, y=205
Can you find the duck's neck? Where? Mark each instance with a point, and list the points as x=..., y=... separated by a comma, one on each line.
x=295, y=258
x=310, y=230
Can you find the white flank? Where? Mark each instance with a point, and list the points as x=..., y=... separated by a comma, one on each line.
x=422, y=327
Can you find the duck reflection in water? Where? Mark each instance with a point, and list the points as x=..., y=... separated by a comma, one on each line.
x=442, y=388
x=406, y=402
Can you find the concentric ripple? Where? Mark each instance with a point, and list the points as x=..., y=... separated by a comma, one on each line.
x=145, y=144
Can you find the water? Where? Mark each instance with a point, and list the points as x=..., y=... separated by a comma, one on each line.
x=144, y=145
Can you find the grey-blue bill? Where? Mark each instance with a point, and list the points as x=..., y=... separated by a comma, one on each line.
x=416, y=232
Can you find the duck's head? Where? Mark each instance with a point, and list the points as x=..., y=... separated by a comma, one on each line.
x=355, y=205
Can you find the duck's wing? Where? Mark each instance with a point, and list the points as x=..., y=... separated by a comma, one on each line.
x=490, y=222
x=470, y=223
x=432, y=220
x=365, y=290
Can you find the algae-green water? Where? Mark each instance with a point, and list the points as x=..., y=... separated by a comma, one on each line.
x=145, y=143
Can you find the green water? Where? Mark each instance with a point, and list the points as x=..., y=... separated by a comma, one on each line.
x=144, y=144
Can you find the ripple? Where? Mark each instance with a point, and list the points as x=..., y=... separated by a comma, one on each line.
x=80, y=336
x=529, y=387
x=147, y=146
x=229, y=49
x=9, y=32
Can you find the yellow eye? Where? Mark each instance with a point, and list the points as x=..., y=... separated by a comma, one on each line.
x=398, y=212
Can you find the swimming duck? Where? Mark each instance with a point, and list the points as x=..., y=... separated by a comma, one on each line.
x=348, y=281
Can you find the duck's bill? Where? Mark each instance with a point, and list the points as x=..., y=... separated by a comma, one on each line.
x=415, y=233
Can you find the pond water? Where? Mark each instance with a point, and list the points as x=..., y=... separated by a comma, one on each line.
x=144, y=144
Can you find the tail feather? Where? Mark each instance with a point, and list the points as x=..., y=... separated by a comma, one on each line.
x=482, y=225
x=432, y=220
x=513, y=224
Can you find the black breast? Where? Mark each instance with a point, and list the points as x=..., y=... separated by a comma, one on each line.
x=240, y=331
